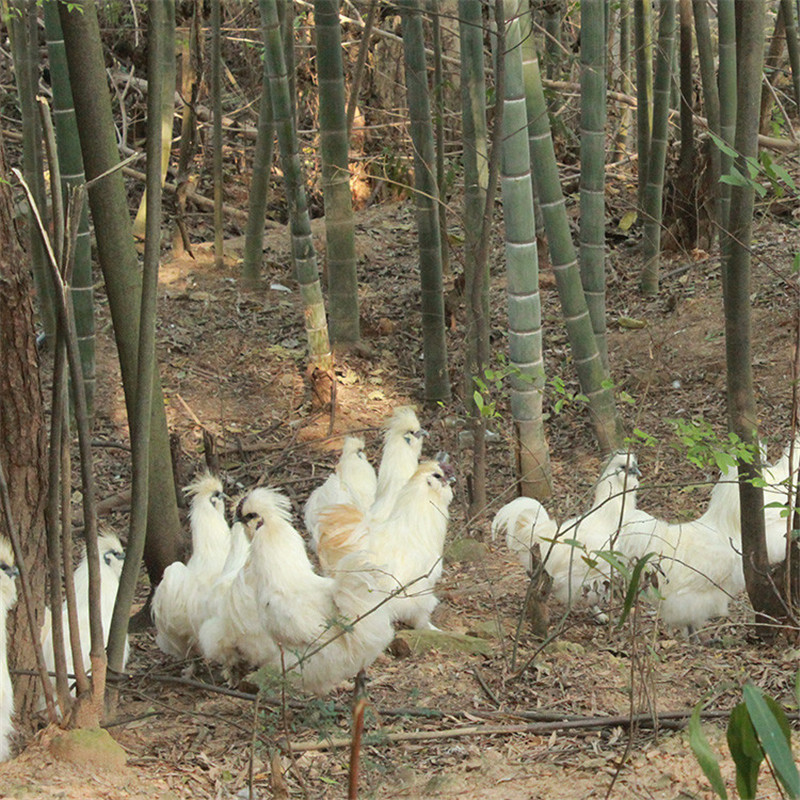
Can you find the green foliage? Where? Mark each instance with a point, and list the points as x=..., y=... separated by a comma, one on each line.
x=745, y=751
x=634, y=581
x=641, y=438
x=491, y=385
x=705, y=448
x=763, y=173
x=705, y=756
x=757, y=729
x=775, y=735
x=564, y=396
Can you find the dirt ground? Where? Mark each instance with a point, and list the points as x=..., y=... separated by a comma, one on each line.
x=507, y=723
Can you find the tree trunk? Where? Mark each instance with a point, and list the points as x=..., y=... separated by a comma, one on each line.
x=22, y=439
x=742, y=413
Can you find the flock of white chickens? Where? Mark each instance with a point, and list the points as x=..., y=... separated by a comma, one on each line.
x=249, y=595
x=696, y=566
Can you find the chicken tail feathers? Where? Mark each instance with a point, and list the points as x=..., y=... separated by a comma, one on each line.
x=525, y=522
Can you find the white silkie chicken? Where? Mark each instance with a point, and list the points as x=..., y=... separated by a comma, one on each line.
x=330, y=628
x=568, y=550
x=112, y=558
x=232, y=633
x=181, y=599
x=698, y=569
x=402, y=445
x=699, y=564
x=353, y=482
x=724, y=502
x=408, y=544
x=8, y=596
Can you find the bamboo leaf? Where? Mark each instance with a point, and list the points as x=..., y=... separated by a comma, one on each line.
x=774, y=733
x=745, y=751
x=633, y=591
x=705, y=756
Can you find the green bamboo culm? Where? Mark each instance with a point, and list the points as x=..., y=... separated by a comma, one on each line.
x=792, y=48
x=119, y=261
x=426, y=197
x=708, y=78
x=726, y=21
x=553, y=53
x=71, y=162
x=643, y=55
x=340, y=236
x=305, y=258
x=259, y=183
x=592, y=180
x=624, y=82
x=159, y=45
x=216, y=131
x=439, y=111
x=476, y=175
x=658, y=149
x=593, y=377
x=168, y=70
x=522, y=268
x=25, y=54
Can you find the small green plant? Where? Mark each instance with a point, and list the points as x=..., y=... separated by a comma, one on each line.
x=490, y=386
x=564, y=396
x=757, y=730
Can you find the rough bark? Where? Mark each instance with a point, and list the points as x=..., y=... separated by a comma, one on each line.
x=22, y=437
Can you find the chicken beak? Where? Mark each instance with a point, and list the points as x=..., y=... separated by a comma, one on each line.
x=420, y=433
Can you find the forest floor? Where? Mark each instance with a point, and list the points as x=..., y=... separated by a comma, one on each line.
x=509, y=722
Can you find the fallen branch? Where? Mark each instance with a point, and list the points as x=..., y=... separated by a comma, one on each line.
x=204, y=202
x=672, y=720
